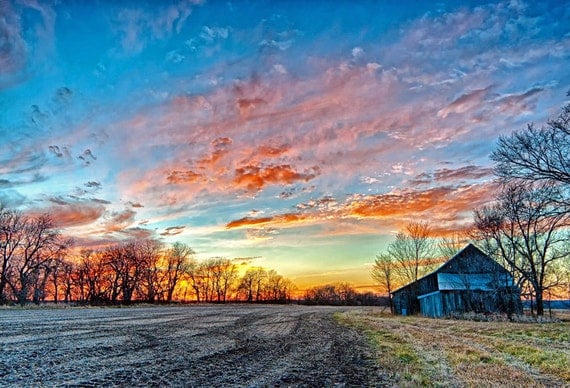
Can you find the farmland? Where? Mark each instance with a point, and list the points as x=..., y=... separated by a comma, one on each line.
x=230, y=345
x=253, y=345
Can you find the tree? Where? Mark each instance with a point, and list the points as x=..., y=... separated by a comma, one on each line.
x=11, y=234
x=148, y=254
x=413, y=251
x=536, y=155
x=39, y=242
x=178, y=259
x=278, y=288
x=383, y=273
x=224, y=275
x=448, y=246
x=252, y=283
x=527, y=230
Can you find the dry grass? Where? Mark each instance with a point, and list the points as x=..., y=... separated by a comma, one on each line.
x=437, y=352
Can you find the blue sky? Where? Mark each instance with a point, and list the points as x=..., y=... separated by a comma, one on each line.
x=294, y=135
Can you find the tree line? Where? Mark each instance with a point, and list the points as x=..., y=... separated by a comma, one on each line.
x=36, y=266
x=525, y=228
x=341, y=294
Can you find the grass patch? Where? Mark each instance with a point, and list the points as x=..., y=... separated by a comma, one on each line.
x=548, y=361
x=394, y=353
x=440, y=352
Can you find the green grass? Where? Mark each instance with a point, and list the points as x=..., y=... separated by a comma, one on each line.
x=437, y=352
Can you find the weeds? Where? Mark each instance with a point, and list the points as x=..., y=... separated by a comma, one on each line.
x=439, y=352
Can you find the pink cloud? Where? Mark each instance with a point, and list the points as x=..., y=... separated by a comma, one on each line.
x=70, y=215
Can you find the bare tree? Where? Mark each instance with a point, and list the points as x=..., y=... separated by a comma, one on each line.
x=201, y=281
x=178, y=262
x=533, y=155
x=148, y=253
x=224, y=275
x=252, y=283
x=413, y=251
x=11, y=235
x=383, y=273
x=39, y=244
x=448, y=246
x=526, y=229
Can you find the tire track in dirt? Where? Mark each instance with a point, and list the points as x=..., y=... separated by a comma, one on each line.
x=237, y=345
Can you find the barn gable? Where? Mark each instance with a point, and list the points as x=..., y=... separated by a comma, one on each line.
x=469, y=281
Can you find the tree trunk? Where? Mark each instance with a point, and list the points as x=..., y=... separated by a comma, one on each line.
x=539, y=303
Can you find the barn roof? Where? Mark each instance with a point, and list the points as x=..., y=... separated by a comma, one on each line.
x=469, y=250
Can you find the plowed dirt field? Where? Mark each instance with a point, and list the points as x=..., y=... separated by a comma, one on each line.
x=194, y=346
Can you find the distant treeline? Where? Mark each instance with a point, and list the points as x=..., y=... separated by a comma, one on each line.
x=342, y=294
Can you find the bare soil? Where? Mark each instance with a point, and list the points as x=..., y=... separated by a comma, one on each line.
x=231, y=345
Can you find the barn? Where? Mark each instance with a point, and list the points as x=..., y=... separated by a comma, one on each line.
x=469, y=281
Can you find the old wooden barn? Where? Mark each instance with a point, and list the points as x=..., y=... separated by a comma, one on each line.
x=469, y=281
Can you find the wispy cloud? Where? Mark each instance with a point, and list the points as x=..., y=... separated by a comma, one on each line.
x=137, y=27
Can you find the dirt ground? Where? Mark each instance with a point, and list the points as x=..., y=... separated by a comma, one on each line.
x=231, y=345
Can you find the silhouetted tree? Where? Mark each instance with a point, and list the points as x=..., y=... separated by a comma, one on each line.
x=147, y=255
x=12, y=225
x=252, y=283
x=178, y=262
x=39, y=244
x=527, y=229
x=383, y=273
x=534, y=155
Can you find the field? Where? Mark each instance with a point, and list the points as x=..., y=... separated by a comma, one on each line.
x=244, y=345
x=418, y=351
x=235, y=345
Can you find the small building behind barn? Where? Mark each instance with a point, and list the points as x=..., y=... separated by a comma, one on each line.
x=469, y=281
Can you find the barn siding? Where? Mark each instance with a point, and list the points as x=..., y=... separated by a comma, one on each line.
x=431, y=305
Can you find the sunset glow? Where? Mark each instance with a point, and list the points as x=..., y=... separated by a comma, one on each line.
x=293, y=136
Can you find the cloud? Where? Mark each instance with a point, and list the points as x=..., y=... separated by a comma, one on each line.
x=22, y=161
x=120, y=221
x=77, y=214
x=467, y=172
x=181, y=177
x=516, y=103
x=248, y=221
x=261, y=233
x=370, y=127
x=137, y=28
x=464, y=103
x=448, y=206
x=12, y=198
x=13, y=49
x=173, y=230
x=36, y=178
x=254, y=178
x=93, y=185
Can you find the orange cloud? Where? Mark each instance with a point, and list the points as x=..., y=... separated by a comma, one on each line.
x=76, y=214
x=281, y=219
x=179, y=177
x=254, y=178
x=248, y=221
x=446, y=205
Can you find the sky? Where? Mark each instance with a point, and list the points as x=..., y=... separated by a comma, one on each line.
x=297, y=136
